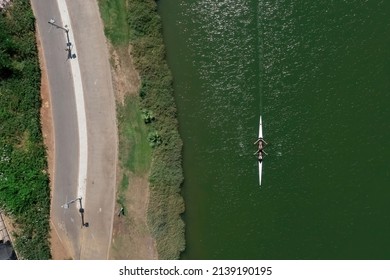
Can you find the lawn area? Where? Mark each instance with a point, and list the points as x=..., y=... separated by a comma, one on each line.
x=114, y=15
x=135, y=151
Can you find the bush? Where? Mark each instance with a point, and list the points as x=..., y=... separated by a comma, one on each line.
x=24, y=190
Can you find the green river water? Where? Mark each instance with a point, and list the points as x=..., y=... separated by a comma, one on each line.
x=319, y=74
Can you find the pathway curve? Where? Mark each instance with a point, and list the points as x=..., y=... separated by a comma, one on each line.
x=84, y=120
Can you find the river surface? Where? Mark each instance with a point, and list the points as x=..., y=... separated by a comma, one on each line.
x=319, y=74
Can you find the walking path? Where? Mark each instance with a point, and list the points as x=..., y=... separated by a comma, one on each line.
x=80, y=105
x=84, y=120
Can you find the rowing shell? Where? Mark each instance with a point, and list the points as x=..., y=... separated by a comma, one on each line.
x=260, y=162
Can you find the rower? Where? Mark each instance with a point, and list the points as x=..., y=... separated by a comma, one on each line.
x=260, y=139
x=261, y=155
x=260, y=152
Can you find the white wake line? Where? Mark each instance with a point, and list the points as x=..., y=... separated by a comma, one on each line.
x=80, y=105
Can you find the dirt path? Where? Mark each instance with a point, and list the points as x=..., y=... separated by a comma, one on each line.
x=131, y=237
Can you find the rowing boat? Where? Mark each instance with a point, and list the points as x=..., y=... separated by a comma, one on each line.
x=260, y=162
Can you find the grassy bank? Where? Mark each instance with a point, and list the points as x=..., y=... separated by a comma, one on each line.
x=136, y=22
x=24, y=190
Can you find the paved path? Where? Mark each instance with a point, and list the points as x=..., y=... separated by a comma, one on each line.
x=98, y=193
x=79, y=95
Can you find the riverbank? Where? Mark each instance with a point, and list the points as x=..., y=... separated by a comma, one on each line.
x=150, y=145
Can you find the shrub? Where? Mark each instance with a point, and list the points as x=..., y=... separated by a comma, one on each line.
x=24, y=190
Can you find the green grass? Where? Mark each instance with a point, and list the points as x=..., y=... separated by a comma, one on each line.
x=135, y=152
x=121, y=197
x=114, y=15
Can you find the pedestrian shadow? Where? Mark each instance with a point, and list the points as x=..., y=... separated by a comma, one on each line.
x=82, y=211
x=69, y=45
